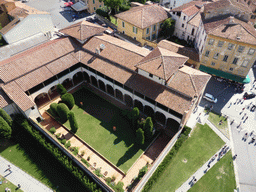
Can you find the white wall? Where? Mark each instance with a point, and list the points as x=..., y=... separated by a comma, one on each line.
x=33, y=113
x=29, y=26
x=174, y=3
x=200, y=39
x=154, y=78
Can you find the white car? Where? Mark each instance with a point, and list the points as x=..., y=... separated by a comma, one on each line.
x=210, y=98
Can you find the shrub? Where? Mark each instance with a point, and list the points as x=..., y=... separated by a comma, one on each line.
x=108, y=180
x=63, y=141
x=5, y=129
x=168, y=27
x=135, y=116
x=63, y=111
x=68, y=144
x=140, y=136
x=113, y=178
x=186, y=130
x=85, y=162
x=88, y=158
x=53, y=109
x=52, y=130
x=82, y=153
x=61, y=89
x=102, y=13
x=97, y=172
x=148, y=128
x=142, y=172
x=76, y=150
x=58, y=135
x=68, y=99
x=72, y=122
x=119, y=187
x=6, y=117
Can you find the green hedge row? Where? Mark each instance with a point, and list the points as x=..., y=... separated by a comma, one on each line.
x=161, y=168
x=57, y=153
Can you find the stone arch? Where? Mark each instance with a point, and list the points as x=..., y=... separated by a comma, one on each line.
x=128, y=100
x=41, y=99
x=110, y=90
x=138, y=104
x=102, y=85
x=160, y=117
x=94, y=81
x=67, y=83
x=119, y=95
x=149, y=111
x=173, y=125
x=78, y=78
x=86, y=77
x=53, y=92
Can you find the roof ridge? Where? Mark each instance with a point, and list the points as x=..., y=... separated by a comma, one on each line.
x=148, y=60
x=246, y=29
x=163, y=63
x=193, y=83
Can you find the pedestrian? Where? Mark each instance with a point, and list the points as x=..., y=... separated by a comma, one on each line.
x=254, y=81
x=208, y=165
x=234, y=157
x=19, y=186
x=232, y=122
x=239, y=125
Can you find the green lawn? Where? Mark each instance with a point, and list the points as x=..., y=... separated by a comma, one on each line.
x=7, y=184
x=39, y=164
x=220, y=177
x=215, y=119
x=196, y=150
x=96, y=119
x=113, y=20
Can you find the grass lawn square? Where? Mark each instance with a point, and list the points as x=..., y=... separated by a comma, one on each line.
x=215, y=119
x=7, y=184
x=96, y=118
x=194, y=152
x=220, y=177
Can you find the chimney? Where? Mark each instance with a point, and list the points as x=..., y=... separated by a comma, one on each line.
x=231, y=20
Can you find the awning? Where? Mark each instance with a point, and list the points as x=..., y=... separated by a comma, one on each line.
x=224, y=74
x=79, y=6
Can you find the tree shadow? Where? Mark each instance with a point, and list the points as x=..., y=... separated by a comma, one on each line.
x=5, y=144
x=128, y=154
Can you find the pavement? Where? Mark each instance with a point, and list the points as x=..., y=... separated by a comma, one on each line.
x=17, y=176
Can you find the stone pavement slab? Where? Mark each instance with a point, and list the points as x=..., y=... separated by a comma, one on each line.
x=17, y=176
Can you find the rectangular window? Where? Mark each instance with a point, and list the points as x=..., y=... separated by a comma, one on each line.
x=147, y=31
x=207, y=53
x=211, y=41
x=225, y=58
x=93, y=1
x=235, y=60
x=245, y=63
x=251, y=51
x=154, y=27
x=148, y=38
x=216, y=55
x=220, y=43
x=184, y=18
x=212, y=64
x=94, y=8
x=123, y=24
x=230, y=46
x=182, y=25
x=150, y=75
x=231, y=69
x=135, y=30
x=134, y=38
x=240, y=49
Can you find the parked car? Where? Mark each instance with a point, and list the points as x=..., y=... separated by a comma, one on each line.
x=253, y=108
x=249, y=95
x=210, y=98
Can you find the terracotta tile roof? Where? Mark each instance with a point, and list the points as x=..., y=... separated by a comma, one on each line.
x=162, y=63
x=220, y=27
x=190, y=8
x=195, y=20
x=4, y=99
x=32, y=59
x=83, y=30
x=191, y=53
x=17, y=95
x=226, y=3
x=144, y=16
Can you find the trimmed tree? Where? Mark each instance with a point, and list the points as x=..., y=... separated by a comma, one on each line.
x=140, y=136
x=6, y=117
x=148, y=128
x=5, y=129
x=63, y=111
x=72, y=122
x=68, y=99
x=61, y=89
x=53, y=108
x=135, y=116
x=168, y=27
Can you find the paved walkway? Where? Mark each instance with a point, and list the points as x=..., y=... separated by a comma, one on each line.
x=17, y=176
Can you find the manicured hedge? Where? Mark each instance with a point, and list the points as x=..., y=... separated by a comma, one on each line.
x=63, y=111
x=72, y=122
x=161, y=168
x=68, y=99
x=61, y=89
x=102, y=13
x=6, y=117
x=62, y=158
x=53, y=108
x=5, y=129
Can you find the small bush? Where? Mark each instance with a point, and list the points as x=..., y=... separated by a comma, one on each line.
x=63, y=111
x=186, y=130
x=68, y=99
x=5, y=129
x=61, y=89
x=68, y=144
x=76, y=150
x=113, y=178
x=108, y=180
x=85, y=162
x=97, y=172
x=119, y=187
x=58, y=135
x=102, y=13
x=63, y=141
x=6, y=117
x=88, y=158
x=52, y=130
x=82, y=153
x=142, y=172
x=72, y=122
x=53, y=109
x=140, y=136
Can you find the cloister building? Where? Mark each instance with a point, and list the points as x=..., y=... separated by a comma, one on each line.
x=157, y=82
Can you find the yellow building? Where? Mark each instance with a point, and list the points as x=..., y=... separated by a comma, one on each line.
x=143, y=23
x=229, y=49
x=92, y=5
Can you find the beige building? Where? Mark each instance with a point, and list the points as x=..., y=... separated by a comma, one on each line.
x=92, y=5
x=143, y=23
